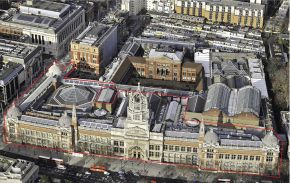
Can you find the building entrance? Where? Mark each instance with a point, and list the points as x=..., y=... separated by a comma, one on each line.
x=136, y=152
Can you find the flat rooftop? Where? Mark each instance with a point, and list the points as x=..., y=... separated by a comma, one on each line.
x=15, y=49
x=173, y=55
x=16, y=170
x=47, y=5
x=236, y=3
x=94, y=34
x=10, y=70
x=43, y=15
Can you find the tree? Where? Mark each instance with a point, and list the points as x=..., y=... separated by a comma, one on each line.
x=45, y=179
x=280, y=85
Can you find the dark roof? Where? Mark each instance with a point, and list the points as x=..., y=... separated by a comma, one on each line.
x=233, y=102
x=154, y=101
x=106, y=95
x=196, y=103
x=136, y=59
x=72, y=95
x=188, y=64
x=47, y=5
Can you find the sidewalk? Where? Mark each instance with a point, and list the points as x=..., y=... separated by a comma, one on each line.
x=139, y=167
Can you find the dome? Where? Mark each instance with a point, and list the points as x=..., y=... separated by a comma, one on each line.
x=211, y=137
x=270, y=140
x=13, y=112
x=75, y=95
x=54, y=70
x=65, y=120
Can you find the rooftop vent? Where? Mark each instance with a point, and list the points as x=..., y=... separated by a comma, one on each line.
x=30, y=2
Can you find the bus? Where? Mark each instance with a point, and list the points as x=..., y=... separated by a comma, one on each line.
x=50, y=162
x=57, y=161
x=224, y=181
x=94, y=167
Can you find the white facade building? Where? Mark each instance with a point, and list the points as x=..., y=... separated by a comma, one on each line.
x=203, y=58
x=165, y=6
x=257, y=76
x=133, y=6
x=18, y=171
x=49, y=24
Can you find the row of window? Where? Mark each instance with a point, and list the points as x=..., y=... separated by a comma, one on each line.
x=118, y=143
x=194, y=5
x=178, y=148
x=70, y=29
x=118, y=150
x=37, y=134
x=154, y=147
x=94, y=139
x=154, y=154
x=42, y=142
x=239, y=157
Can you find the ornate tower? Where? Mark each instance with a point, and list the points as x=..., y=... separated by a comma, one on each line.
x=136, y=127
x=137, y=111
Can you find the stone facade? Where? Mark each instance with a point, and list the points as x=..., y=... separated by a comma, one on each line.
x=166, y=69
x=135, y=139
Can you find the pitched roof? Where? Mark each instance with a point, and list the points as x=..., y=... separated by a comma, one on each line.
x=188, y=64
x=235, y=101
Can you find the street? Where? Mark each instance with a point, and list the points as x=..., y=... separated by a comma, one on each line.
x=134, y=170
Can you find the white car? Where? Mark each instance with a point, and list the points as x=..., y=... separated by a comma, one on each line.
x=88, y=173
x=106, y=173
x=61, y=167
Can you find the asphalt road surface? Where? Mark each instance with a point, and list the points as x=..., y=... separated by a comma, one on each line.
x=77, y=174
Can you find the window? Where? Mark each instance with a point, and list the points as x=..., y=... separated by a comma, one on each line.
x=116, y=149
x=221, y=156
x=227, y=156
x=165, y=147
x=209, y=150
x=245, y=157
x=209, y=155
x=239, y=157
x=157, y=148
x=269, y=158
x=116, y=143
x=121, y=143
x=151, y=147
x=252, y=158
x=269, y=153
x=233, y=156
x=188, y=149
x=121, y=150
x=151, y=153
x=182, y=149
x=157, y=154
x=136, y=117
x=257, y=158
x=176, y=148
x=194, y=149
x=171, y=148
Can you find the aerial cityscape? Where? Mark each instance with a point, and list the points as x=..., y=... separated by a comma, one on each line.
x=153, y=91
